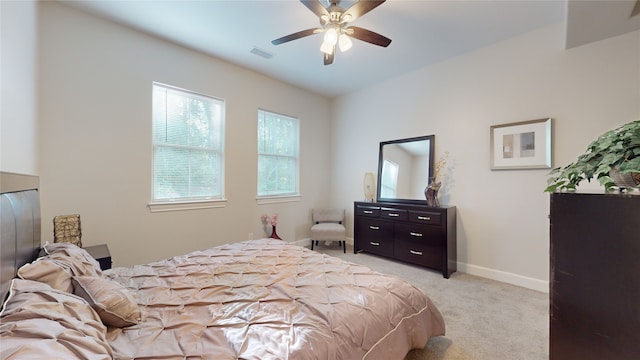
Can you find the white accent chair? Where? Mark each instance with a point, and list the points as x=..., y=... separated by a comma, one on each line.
x=328, y=225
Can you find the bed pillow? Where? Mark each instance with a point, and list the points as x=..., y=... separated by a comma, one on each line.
x=55, y=273
x=64, y=260
x=39, y=322
x=113, y=302
x=78, y=258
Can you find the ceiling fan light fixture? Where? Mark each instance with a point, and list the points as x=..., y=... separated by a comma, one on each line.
x=331, y=36
x=344, y=42
x=334, y=22
x=326, y=48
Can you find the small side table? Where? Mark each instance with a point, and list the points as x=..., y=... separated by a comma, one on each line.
x=100, y=253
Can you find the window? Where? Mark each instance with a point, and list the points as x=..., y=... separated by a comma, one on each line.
x=389, y=179
x=278, y=154
x=188, y=146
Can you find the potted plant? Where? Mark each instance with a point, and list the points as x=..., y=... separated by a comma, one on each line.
x=613, y=159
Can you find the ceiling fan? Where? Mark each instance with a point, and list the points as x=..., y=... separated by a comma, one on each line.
x=333, y=23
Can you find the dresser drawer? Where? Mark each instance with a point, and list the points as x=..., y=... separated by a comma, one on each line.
x=419, y=244
x=375, y=236
x=370, y=211
x=425, y=217
x=418, y=252
x=423, y=234
x=393, y=214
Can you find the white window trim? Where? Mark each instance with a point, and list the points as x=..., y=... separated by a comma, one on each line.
x=274, y=199
x=186, y=205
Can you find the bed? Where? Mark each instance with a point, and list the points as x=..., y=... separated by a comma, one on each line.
x=259, y=299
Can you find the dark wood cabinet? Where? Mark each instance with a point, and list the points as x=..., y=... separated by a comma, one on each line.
x=413, y=233
x=595, y=276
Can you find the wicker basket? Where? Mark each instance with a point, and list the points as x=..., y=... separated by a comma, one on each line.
x=66, y=228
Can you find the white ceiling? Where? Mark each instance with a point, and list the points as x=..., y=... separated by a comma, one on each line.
x=423, y=32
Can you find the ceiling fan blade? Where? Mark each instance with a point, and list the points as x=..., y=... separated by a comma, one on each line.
x=297, y=35
x=636, y=9
x=360, y=8
x=328, y=58
x=368, y=36
x=316, y=7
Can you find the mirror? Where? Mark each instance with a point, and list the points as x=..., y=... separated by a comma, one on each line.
x=404, y=169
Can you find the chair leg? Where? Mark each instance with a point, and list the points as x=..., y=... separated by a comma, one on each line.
x=311, y=244
x=344, y=247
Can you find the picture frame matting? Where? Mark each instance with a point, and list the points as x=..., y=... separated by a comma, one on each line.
x=521, y=145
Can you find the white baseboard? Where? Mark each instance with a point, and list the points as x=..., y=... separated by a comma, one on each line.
x=302, y=242
x=505, y=277
x=307, y=242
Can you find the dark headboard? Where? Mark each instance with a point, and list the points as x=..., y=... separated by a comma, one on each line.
x=20, y=225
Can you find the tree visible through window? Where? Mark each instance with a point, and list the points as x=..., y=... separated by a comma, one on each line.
x=188, y=145
x=278, y=138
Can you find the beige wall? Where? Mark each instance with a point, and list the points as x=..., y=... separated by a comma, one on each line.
x=502, y=215
x=95, y=149
x=95, y=89
x=18, y=102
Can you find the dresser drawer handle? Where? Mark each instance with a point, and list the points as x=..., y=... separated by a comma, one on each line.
x=424, y=218
x=416, y=252
x=394, y=214
x=367, y=211
x=415, y=234
x=374, y=227
x=374, y=243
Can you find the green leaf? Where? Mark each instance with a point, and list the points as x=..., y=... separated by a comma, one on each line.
x=551, y=188
x=632, y=165
x=618, y=148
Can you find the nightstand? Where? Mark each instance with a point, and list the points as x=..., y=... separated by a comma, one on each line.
x=100, y=253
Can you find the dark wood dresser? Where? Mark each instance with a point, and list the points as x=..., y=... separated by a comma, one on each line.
x=413, y=233
x=595, y=276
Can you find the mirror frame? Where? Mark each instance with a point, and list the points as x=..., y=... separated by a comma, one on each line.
x=431, y=139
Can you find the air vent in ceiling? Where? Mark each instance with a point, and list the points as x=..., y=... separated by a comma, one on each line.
x=262, y=53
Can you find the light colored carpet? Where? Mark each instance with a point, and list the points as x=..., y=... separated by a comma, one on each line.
x=485, y=319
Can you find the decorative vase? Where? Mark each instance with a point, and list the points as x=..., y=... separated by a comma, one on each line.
x=274, y=234
x=431, y=192
x=625, y=180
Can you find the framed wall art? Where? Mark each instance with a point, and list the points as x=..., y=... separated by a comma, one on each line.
x=521, y=145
